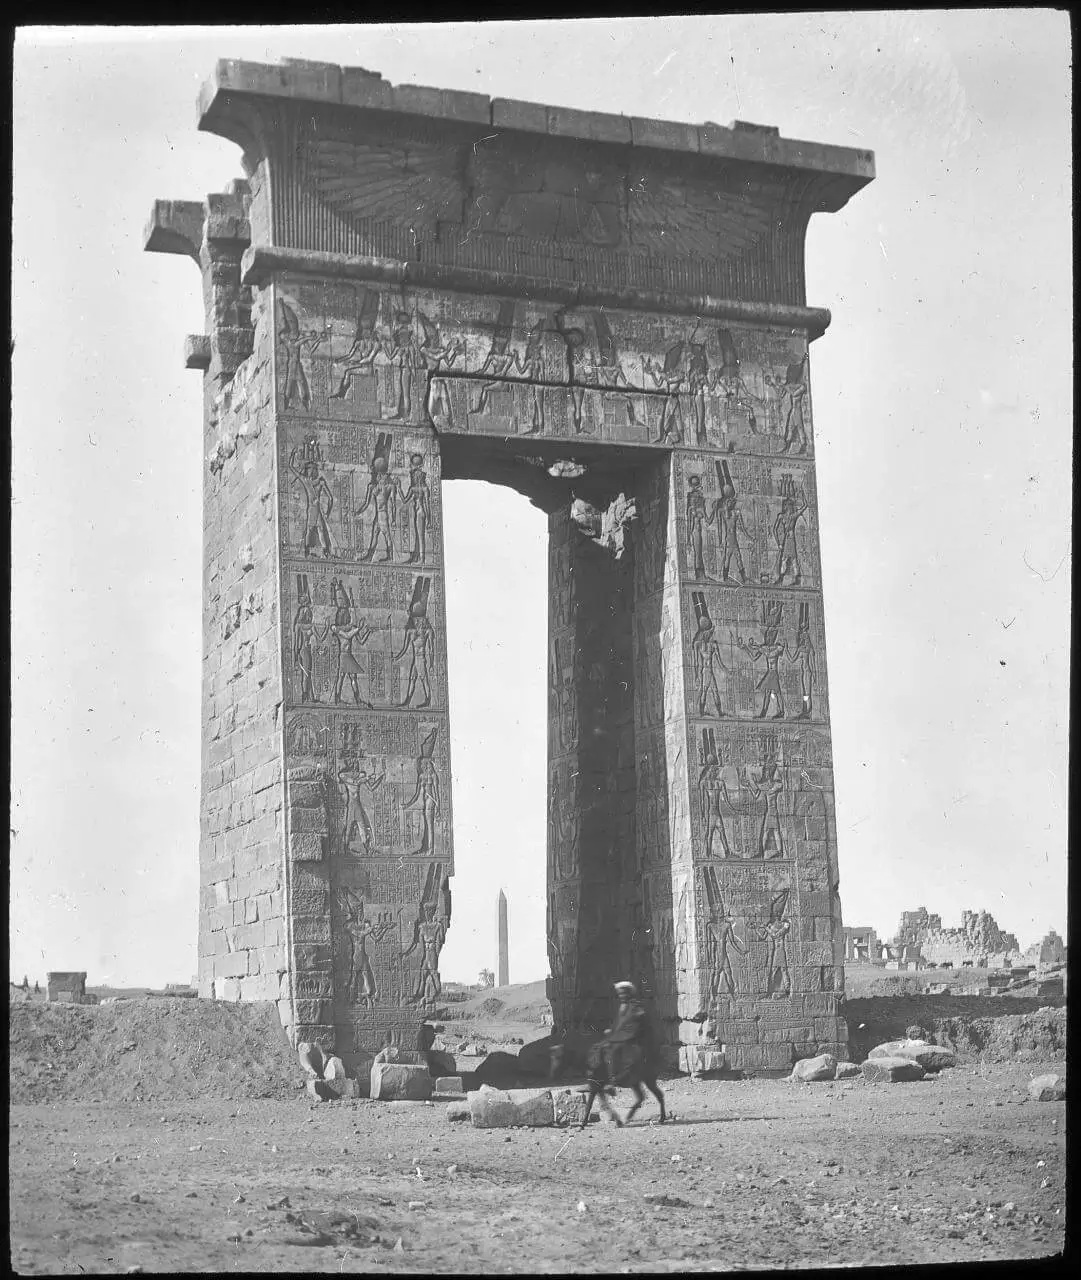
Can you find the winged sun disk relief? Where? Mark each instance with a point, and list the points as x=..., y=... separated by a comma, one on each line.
x=422, y=184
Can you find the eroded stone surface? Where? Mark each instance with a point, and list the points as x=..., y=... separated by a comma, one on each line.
x=822, y=1067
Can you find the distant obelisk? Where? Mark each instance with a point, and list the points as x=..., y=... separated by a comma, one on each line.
x=504, y=961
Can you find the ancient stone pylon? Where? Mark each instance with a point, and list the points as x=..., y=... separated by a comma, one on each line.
x=608, y=314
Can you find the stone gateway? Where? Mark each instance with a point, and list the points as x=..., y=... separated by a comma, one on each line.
x=608, y=314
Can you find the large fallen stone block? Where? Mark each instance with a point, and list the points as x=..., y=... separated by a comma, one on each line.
x=1048, y=1088
x=504, y=1108
x=400, y=1081
x=892, y=1070
x=824, y=1067
x=458, y=1111
x=847, y=1070
x=932, y=1057
x=449, y=1084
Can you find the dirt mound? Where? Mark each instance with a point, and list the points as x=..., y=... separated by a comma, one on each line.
x=149, y=1050
x=977, y=1028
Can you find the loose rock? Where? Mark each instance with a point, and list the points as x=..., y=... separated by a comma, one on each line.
x=1047, y=1088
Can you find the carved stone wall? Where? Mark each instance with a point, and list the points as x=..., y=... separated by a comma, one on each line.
x=414, y=285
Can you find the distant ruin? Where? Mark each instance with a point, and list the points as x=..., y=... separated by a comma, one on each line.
x=68, y=988
x=921, y=940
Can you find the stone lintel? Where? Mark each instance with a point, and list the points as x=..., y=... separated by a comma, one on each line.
x=234, y=81
x=260, y=263
x=175, y=226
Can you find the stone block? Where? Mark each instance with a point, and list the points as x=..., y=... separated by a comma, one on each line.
x=449, y=1084
x=305, y=846
x=400, y=1081
x=504, y=1108
x=668, y=135
x=458, y=1111
x=847, y=1070
x=807, y=1070
x=510, y=113
x=1047, y=1088
x=932, y=1057
x=233, y=965
x=891, y=1070
x=597, y=126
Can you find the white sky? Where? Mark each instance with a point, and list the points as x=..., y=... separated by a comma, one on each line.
x=943, y=399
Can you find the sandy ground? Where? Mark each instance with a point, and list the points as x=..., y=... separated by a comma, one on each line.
x=759, y=1173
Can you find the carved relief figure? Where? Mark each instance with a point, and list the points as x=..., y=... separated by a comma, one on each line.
x=802, y=656
x=418, y=500
x=711, y=791
x=426, y=794
x=531, y=367
x=768, y=788
x=720, y=935
x=429, y=933
x=346, y=631
x=303, y=634
x=729, y=522
x=358, y=835
x=315, y=490
x=790, y=395
x=360, y=358
x=500, y=360
x=578, y=365
x=419, y=643
x=784, y=533
x=382, y=494
x=404, y=355
x=697, y=382
x=775, y=933
x=697, y=519
x=671, y=379
x=566, y=701
x=706, y=653
x=438, y=357
x=295, y=343
x=357, y=931
x=771, y=651
x=562, y=831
